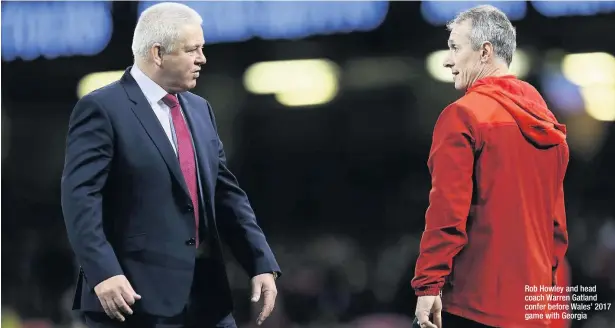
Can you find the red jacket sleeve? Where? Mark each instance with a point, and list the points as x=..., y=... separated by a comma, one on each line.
x=451, y=164
x=560, y=231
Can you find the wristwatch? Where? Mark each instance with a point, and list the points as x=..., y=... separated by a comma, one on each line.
x=275, y=275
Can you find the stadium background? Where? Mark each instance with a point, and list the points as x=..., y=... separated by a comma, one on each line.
x=326, y=110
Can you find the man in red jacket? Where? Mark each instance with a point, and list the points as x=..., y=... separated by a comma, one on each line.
x=495, y=227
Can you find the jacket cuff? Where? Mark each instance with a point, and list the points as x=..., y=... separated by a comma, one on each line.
x=101, y=269
x=265, y=265
x=428, y=291
x=94, y=279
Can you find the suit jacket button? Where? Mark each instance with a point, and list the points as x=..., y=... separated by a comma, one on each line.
x=191, y=242
x=189, y=208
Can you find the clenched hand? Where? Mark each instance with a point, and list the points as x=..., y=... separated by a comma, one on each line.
x=426, y=305
x=264, y=284
x=116, y=296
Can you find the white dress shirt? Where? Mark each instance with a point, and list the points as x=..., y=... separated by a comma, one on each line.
x=154, y=94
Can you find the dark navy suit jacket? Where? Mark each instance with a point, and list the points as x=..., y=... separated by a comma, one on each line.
x=127, y=209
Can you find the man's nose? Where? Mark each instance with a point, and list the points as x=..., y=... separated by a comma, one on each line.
x=448, y=62
x=201, y=59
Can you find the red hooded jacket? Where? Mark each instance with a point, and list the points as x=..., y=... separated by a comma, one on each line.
x=496, y=220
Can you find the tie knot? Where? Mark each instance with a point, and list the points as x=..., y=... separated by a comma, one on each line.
x=170, y=100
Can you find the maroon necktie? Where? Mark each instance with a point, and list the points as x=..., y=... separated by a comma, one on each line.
x=185, y=153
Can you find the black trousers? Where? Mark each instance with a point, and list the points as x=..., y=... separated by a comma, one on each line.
x=101, y=320
x=451, y=320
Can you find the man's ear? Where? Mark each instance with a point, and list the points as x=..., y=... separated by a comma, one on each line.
x=486, y=52
x=156, y=52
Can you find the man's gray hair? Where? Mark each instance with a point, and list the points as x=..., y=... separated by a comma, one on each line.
x=489, y=24
x=162, y=23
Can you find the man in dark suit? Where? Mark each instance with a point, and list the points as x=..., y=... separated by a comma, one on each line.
x=148, y=198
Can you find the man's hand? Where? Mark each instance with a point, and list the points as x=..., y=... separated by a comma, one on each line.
x=116, y=295
x=426, y=305
x=264, y=284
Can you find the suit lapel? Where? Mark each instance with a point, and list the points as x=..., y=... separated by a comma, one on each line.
x=202, y=144
x=152, y=126
x=204, y=155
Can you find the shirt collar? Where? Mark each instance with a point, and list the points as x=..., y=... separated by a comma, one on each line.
x=152, y=91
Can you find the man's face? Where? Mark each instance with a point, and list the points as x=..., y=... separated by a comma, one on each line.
x=181, y=67
x=465, y=63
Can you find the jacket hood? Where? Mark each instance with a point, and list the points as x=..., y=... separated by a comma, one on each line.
x=527, y=107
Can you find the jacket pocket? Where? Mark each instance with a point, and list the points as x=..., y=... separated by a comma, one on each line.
x=135, y=243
